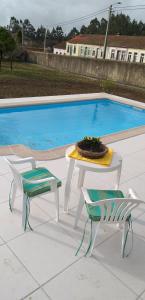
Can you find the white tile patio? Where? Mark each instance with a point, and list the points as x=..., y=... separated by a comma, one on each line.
x=42, y=264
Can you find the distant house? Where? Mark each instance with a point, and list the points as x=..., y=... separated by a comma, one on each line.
x=119, y=47
x=60, y=48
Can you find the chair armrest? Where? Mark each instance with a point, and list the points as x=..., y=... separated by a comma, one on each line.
x=132, y=194
x=24, y=160
x=86, y=196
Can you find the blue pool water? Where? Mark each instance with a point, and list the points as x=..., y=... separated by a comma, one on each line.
x=48, y=126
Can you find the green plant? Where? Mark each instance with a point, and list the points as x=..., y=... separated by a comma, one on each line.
x=107, y=85
x=91, y=143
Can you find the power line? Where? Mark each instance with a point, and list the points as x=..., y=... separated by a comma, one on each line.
x=80, y=18
x=129, y=9
x=131, y=6
x=96, y=13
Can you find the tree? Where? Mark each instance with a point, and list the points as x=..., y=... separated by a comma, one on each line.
x=141, y=28
x=120, y=24
x=94, y=26
x=7, y=43
x=134, y=27
x=59, y=33
x=19, y=37
x=83, y=29
x=53, y=34
x=29, y=30
x=14, y=25
x=40, y=33
x=103, y=25
x=72, y=33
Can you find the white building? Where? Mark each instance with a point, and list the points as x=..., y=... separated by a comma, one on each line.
x=119, y=47
x=60, y=48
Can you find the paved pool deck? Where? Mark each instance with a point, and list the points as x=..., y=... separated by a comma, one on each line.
x=41, y=264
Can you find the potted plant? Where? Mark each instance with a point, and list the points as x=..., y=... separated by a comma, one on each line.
x=91, y=147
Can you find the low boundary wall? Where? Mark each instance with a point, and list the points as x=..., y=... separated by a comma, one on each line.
x=121, y=72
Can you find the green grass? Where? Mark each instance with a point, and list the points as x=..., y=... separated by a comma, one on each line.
x=26, y=80
x=30, y=80
x=31, y=71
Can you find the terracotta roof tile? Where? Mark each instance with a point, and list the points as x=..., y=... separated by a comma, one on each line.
x=123, y=41
x=61, y=45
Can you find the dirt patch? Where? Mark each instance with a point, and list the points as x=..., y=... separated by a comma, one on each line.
x=28, y=80
x=15, y=88
x=21, y=87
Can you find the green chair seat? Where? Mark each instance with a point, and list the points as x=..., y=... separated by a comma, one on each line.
x=97, y=195
x=35, y=174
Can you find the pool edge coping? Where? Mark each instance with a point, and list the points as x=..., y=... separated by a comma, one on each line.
x=59, y=152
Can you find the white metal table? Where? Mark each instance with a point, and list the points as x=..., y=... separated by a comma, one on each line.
x=84, y=166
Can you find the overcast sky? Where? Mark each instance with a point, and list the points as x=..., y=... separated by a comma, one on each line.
x=47, y=12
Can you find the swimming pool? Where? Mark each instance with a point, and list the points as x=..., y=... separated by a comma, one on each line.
x=47, y=126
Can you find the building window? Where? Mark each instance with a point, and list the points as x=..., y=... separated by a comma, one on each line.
x=123, y=55
x=68, y=48
x=89, y=51
x=113, y=54
x=93, y=53
x=97, y=52
x=118, y=56
x=129, y=56
x=82, y=51
x=85, y=52
x=142, y=57
x=74, y=49
x=135, y=57
x=101, y=53
x=71, y=49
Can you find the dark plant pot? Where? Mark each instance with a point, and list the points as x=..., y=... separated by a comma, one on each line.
x=89, y=153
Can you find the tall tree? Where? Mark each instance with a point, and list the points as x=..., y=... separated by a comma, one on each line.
x=29, y=30
x=7, y=43
x=40, y=33
x=94, y=26
x=59, y=33
x=72, y=33
x=120, y=24
x=83, y=29
x=14, y=26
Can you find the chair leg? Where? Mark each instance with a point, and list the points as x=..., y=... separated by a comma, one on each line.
x=79, y=210
x=95, y=230
x=12, y=196
x=56, y=195
x=124, y=233
x=118, y=178
x=24, y=212
x=68, y=184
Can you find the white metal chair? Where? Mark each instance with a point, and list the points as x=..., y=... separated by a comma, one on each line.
x=107, y=206
x=32, y=183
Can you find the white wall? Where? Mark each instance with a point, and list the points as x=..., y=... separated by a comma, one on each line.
x=59, y=51
x=94, y=51
x=139, y=53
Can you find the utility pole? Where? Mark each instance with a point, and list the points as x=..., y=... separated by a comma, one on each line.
x=45, y=40
x=107, y=28
x=22, y=30
x=22, y=34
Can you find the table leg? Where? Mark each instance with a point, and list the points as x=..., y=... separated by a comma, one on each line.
x=81, y=177
x=68, y=184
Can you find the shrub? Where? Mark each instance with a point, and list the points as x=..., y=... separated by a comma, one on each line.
x=107, y=85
